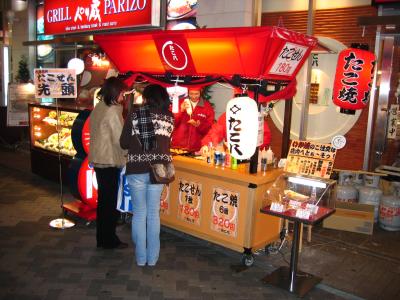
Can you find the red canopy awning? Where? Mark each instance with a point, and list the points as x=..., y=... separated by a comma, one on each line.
x=252, y=52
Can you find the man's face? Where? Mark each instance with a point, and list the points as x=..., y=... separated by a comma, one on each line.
x=194, y=96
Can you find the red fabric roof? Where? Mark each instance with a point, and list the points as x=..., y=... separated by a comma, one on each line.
x=253, y=52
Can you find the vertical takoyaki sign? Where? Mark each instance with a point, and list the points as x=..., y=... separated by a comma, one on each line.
x=224, y=211
x=189, y=201
x=55, y=83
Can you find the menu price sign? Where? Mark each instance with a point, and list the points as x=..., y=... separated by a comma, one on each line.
x=308, y=158
x=189, y=201
x=164, y=200
x=224, y=211
x=288, y=59
x=55, y=83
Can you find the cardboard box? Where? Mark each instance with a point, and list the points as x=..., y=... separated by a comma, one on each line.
x=354, y=217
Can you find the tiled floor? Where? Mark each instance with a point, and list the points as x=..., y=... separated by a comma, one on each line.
x=37, y=262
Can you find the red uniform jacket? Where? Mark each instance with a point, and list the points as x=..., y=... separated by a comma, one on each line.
x=186, y=136
x=217, y=133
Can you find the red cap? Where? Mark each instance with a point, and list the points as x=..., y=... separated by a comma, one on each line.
x=195, y=88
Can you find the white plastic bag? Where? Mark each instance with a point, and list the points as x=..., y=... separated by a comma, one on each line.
x=124, y=203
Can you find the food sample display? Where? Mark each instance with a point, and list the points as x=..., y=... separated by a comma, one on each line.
x=51, y=130
x=300, y=195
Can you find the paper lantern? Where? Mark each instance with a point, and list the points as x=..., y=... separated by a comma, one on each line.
x=242, y=127
x=77, y=64
x=353, y=79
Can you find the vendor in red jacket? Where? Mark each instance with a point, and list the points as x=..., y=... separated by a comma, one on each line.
x=192, y=122
x=217, y=134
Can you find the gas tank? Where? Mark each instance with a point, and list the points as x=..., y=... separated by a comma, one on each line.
x=346, y=193
x=389, y=213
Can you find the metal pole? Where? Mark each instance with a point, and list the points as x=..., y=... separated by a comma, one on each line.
x=294, y=256
x=287, y=121
x=306, y=100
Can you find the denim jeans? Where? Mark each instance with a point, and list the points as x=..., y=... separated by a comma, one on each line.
x=146, y=218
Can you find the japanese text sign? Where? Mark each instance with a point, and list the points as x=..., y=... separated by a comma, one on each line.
x=224, y=211
x=288, y=59
x=392, y=129
x=353, y=79
x=175, y=54
x=242, y=127
x=55, y=83
x=189, y=201
x=71, y=16
x=313, y=159
x=164, y=200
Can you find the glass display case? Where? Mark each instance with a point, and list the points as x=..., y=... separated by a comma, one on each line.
x=300, y=196
x=51, y=137
x=51, y=131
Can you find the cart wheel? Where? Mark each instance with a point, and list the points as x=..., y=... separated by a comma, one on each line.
x=248, y=260
x=267, y=249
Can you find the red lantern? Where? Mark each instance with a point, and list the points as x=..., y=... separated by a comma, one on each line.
x=353, y=79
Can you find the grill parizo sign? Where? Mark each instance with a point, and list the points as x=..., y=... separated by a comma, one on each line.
x=71, y=16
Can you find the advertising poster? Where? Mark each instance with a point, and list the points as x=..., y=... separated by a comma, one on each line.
x=189, y=201
x=224, y=211
x=19, y=95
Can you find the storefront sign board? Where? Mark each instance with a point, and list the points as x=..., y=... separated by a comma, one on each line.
x=71, y=16
x=189, y=201
x=313, y=159
x=55, y=83
x=224, y=211
x=19, y=95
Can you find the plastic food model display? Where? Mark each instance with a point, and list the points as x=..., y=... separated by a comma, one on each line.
x=52, y=132
x=299, y=195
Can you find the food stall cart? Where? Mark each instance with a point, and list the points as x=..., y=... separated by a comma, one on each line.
x=214, y=203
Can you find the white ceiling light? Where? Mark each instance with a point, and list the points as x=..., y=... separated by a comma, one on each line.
x=77, y=64
x=19, y=5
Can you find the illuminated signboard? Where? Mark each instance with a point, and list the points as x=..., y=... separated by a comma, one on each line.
x=71, y=16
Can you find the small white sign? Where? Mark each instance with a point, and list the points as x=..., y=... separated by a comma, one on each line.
x=303, y=213
x=278, y=207
x=294, y=204
x=338, y=141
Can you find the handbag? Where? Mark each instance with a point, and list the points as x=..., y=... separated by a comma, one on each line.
x=162, y=173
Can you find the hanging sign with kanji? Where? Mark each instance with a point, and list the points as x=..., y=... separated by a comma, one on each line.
x=55, y=83
x=353, y=79
x=189, y=201
x=308, y=158
x=393, y=122
x=224, y=211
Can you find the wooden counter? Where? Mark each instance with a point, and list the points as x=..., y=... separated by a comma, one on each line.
x=220, y=205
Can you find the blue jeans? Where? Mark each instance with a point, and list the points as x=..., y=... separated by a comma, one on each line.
x=146, y=218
